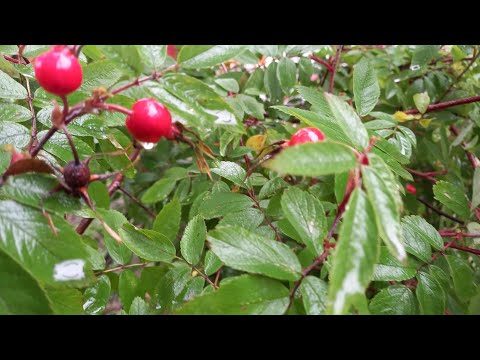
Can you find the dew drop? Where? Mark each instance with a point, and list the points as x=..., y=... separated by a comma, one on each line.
x=148, y=146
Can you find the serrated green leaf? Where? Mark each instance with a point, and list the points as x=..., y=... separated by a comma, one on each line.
x=127, y=288
x=386, y=211
x=244, y=250
x=193, y=240
x=152, y=56
x=365, y=87
x=394, y=300
x=138, y=307
x=231, y=171
x=463, y=277
x=452, y=197
x=212, y=263
x=65, y=301
x=249, y=218
x=287, y=74
x=167, y=221
x=100, y=73
x=158, y=191
x=271, y=83
x=221, y=204
x=14, y=113
x=421, y=100
x=213, y=56
x=11, y=89
x=15, y=134
x=430, y=295
x=307, y=216
x=423, y=229
x=120, y=253
x=246, y=294
x=147, y=244
x=355, y=255
x=314, y=295
x=314, y=159
x=389, y=268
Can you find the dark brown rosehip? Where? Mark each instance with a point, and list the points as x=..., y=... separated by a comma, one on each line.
x=76, y=175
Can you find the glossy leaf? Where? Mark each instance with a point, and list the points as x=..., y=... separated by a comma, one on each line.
x=355, y=254
x=11, y=89
x=365, y=87
x=96, y=297
x=246, y=294
x=167, y=221
x=452, y=197
x=314, y=159
x=394, y=300
x=314, y=295
x=213, y=56
x=193, y=240
x=244, y=250
x=127, y=288
x=430, y=295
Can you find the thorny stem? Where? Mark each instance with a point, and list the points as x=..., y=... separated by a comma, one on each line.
x=334, y=66
x=440, y=212
x=137, y=201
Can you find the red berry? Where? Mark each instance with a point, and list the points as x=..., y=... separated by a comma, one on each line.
x=306, y=135
x=150, y=121
x=411, y=189
x=58, y=71
x=172, y=51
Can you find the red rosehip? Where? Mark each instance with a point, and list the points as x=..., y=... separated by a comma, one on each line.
x=58, y=71
x=172, y=51
x=411, y=189
x=306, y=135
x=150, y=121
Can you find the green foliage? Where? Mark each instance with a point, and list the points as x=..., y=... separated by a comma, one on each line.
x=228, y=218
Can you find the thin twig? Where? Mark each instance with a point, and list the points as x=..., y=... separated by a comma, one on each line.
x=447, y=104
x=466, y=249
x=137, y=201
x=440, y=212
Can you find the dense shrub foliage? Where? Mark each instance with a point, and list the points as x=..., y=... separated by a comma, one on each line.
x=216, y=208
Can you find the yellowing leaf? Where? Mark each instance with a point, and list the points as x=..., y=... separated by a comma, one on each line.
x=256, y=142
x=425, y=122
x=400, y=116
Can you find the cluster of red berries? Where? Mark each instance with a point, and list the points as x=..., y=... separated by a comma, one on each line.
x=59, y=72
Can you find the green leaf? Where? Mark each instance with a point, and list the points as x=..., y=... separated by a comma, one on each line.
x=231, y=171
x=242, y=295
x=356, y=253
x=189, y=51
x=221, y=204
x=305, y=70
x=272, y=186
x=287, y=74
x=20, y=294
x=228, y=84
x=386, y=211
x=453, y=197
x=307, y=216
x=251, y=106
x=415, y=244
x=348, y=120
x=314, y=295
x=330, y=128
x=15, y=134
x=213, y=56
x=430, y=295
x=26, y=236
x=463, y=277
x=100, y=74
x=11, y=89
x=422, y=100
x=95, y=298
x=152, y=56
x=248, y=219
x=272, y=85
x=212, y=263
x=158, y=191
x=423, y=229
x=139, y=307
x=127, y=288
x=147, y=244
x=65, y=301
x=193, y=240
x=394, y=300
x=422, y=55
x=244, y=250
x=365, y=87
x=58, y=145
x=119, y=252
x=314, y=159
x=390, y=269
x=14, y=113
x=167, y=221
x=475, y=189
x=172, y=287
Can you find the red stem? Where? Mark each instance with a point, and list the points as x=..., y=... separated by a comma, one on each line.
x=334, y=66
x=447, y=104
x=321, y=61
x=12, y=60
x=466, y=249
x=114, y=107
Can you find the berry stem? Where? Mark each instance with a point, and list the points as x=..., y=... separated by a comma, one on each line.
x=72, y=145
x=113, y=107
